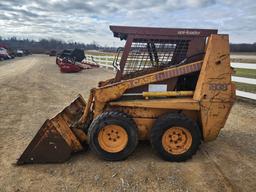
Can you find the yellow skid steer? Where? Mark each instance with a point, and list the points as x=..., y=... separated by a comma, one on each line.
x=172, y=87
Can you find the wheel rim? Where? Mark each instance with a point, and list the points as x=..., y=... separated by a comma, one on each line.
x=176, y=140
x=113, y=138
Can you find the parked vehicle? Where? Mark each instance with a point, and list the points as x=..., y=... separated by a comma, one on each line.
x=19, y=53
x=77, y=55
x=53, y=53
x=71, y=61
x=26, y=52
x=68, y=66
x=11, y=53
x=4, y=54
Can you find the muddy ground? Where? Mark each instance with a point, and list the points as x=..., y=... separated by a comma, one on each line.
x=33, y=89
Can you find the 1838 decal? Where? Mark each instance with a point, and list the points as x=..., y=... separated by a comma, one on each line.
x=218, y=86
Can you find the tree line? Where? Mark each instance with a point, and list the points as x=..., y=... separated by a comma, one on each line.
x=243, y=47
x=46, y=45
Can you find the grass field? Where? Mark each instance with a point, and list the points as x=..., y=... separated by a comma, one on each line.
x=249, y=73
x=246, y=87
x=98, y=53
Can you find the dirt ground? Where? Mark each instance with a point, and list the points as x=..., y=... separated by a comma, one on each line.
x=33, y=89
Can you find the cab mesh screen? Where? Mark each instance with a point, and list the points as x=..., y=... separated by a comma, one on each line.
x=146, y=55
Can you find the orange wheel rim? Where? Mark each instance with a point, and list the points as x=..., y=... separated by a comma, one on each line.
x=176, y=140
x=113, y=138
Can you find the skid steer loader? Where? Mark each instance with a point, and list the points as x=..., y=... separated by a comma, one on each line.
x=172, y=87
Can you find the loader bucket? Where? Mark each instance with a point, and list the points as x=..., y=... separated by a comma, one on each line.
x=55, y=140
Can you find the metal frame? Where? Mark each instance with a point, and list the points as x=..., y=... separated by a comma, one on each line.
x=137, y=34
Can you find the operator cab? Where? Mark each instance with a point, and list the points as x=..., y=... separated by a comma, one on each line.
x=148, y=50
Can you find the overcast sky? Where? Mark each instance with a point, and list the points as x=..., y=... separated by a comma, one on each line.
x=88, y=21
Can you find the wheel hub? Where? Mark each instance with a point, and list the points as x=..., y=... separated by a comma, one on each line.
x=113, y=138
x=176, y=140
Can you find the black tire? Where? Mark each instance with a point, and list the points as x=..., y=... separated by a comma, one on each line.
x=113, y=118
x=170, y=120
